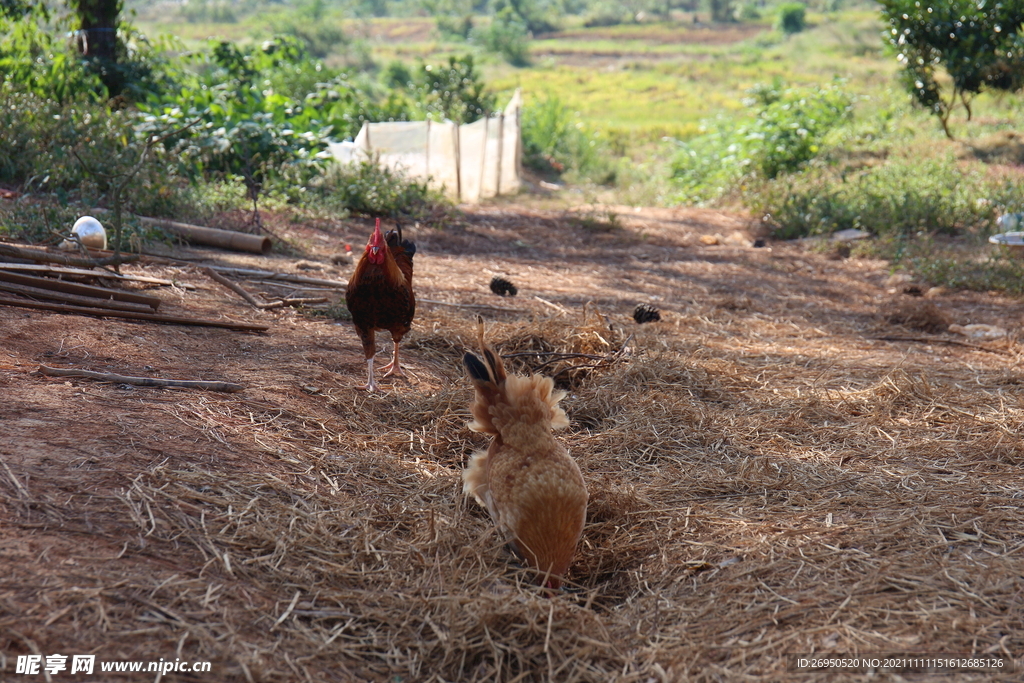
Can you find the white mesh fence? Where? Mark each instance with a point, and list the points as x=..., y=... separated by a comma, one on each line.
x=470, y=162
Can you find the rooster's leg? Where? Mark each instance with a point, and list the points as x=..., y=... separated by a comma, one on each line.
x=393, y=368
x=369, y=351
x=370, y=384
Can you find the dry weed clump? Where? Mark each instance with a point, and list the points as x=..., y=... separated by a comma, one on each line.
x=915, y=313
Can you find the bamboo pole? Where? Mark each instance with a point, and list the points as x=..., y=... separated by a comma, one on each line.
x=228, y=387
x=150, y=317
x=32, y=267
x=46, y=257
x=75, y=299
x=226, y=239
x=80, y=289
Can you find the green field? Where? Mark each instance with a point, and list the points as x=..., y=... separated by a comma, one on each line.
x=640, y=82
x=648, y=80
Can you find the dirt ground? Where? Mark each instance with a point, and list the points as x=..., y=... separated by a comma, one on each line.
x=778, y=467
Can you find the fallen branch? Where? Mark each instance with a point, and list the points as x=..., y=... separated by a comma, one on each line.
x=142, y=381
x=237, y=289
x=46, y=257
x=268, y=275
x=295, y=287
x=297, y=302
x=277, y=303
x=149, y=317
x=561, y=309
x=940, y=340
x=488, y=306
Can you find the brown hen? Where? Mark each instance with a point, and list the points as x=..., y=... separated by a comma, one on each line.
x=526, y=479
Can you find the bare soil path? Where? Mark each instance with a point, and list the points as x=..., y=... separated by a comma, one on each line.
x=772, y=472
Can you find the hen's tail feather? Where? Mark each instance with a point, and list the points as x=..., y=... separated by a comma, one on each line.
x=477, y=370
x=494, y=364
x=502, y=400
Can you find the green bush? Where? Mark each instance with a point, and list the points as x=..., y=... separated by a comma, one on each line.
x=48, y=222
x=397, y=75
x=979, y=45
x=748, y=11
x=791, y=18
x=245, y=130
x=453, y=91
x=455, y=28
x=555, y=140
x=998, y=272
x=788, y=130
x=902, y=197
x=34, y=59
x=369, y=189
x=506, y=35
x=74, y=151
x=36, y=56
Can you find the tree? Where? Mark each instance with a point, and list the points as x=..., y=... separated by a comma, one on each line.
x=14, y=8
x=98, y=22
x=977, y=43
x=792, y=18
x=721, y=10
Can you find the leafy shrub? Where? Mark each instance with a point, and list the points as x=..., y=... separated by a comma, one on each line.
x=555, y=140
x=36, y=56
x=246, y=131
x=791, y=126
x=998, y=272
x=367, y=188
x=748, y=11
x=454, y=91
x=791, y=18
x=73, y=152
x=455, y=28
x=721, y=10
x=34, y=59
x=788, y=130
x=36, y=222
x=901, y=197
x=397, y=75
x=506, y=35
x=454, y=17
x=539, y=16
x=47, y=222
x=707, y=166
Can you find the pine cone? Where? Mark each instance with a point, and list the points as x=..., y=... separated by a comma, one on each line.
x=646, y=313
x=503, y=287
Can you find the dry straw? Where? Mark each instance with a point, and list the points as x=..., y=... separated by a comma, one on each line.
x=746, y=505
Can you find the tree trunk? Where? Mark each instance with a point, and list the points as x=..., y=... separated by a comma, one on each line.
x=98, y=21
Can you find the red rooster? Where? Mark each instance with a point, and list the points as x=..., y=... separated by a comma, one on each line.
x=380, y=295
